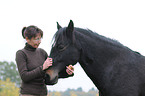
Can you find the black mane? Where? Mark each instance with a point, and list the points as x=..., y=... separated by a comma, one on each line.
x=87, y=33
x=58, y=34
x=95, y=36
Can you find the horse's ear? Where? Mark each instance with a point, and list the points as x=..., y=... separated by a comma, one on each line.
x=70, y=30
x=70, y=26
x=58, y=26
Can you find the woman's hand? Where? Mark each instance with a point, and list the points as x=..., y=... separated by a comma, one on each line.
x=47, y=63
x=70, y=69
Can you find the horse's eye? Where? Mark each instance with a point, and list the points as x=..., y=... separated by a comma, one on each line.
x=60, y=47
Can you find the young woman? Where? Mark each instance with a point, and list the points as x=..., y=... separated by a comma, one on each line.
x=32, y=63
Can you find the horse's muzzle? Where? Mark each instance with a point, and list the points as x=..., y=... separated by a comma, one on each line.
x=50, y=82
x=51, y=77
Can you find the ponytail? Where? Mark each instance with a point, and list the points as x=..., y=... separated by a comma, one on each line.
x=23, y=32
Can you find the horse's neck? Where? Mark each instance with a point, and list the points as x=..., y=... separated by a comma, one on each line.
x=98, y=49
x=95, y=57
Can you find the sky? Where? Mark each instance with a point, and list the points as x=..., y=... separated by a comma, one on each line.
x=122, y=20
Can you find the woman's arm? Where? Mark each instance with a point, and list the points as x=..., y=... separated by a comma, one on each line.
x=25, y=74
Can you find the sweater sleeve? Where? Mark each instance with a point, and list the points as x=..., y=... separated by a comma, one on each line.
x=25, y=74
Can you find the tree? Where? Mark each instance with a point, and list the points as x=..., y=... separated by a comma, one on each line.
x=93, y=89
x=72, y=93
x=79, y=89
x=9, y=70
x=57, y=94
x=54, y=93
x=92, y=92
x=8, y=88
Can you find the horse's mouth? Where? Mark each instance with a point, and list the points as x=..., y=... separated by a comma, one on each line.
x=50, y=82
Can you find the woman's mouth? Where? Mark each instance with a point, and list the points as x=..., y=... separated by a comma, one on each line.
x=36, y=45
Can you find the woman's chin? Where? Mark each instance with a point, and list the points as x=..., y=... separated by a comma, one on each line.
x=36, y=46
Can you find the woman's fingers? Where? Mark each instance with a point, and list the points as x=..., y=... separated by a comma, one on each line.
x=49, y=60
x=70, y=72
x=70, y=69
x=47, y=63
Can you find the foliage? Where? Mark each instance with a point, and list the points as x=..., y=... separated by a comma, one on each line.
x=10, y=81
x=8, y=88
x=9, y=70
x=72, y=92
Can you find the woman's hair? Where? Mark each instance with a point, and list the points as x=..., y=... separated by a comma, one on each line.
x=31, y=31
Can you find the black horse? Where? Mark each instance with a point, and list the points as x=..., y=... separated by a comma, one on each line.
x=115, y=69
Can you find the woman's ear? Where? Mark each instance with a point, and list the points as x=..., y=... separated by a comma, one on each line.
x=28, y=40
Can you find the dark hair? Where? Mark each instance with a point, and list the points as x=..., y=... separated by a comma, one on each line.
x=31, y=31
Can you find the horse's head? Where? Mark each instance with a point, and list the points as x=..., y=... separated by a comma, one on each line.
x=64, y=51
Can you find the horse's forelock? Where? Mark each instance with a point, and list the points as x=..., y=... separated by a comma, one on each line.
x=61, y=33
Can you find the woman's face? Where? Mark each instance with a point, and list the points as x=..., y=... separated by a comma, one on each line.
x=34, y=41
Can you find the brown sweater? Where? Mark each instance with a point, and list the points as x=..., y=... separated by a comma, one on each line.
x=29, y=62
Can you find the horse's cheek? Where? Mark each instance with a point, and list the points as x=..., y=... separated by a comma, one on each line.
x=73, y=55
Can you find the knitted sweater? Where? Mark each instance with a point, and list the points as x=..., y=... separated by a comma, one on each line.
x=29, y=62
